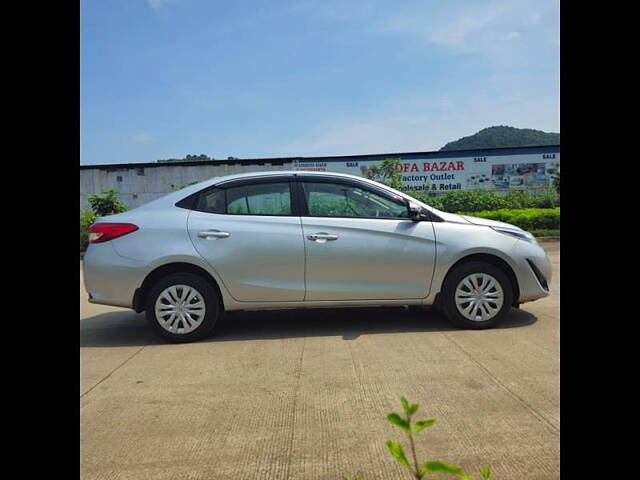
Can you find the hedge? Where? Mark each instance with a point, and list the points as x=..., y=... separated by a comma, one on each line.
x=545, y=232
x=527, y=218
x=478, y=201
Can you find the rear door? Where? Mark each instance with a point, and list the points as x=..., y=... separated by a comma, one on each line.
x=360, y=243
x=246, y=230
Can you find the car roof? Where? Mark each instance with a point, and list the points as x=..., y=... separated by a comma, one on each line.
x=278, y=172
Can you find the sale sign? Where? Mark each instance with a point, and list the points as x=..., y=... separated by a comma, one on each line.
x=497, y=172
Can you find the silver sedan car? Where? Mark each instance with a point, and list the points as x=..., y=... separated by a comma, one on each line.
x=275, y=240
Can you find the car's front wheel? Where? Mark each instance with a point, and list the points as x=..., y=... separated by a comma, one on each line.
x=476, y=295
x=183, y=307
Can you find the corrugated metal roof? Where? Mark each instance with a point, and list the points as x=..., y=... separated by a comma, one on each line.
x=283, y=160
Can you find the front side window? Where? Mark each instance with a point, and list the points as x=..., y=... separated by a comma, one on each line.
x=259, y=199
x=338, y=200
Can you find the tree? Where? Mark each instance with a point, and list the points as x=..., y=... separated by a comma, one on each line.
x=388, y=172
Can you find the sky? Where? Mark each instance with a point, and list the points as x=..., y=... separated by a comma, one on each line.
x=272, y=78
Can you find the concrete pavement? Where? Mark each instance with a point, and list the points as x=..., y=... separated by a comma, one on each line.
x=304, y=394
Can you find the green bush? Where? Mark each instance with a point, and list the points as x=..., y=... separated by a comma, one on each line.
x=527, y=218
x=520, y=199
x=87, y=218
x=105, y=204
x=478, y=201
x=84, y=239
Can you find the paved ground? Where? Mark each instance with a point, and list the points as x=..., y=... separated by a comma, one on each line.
x=303, y=395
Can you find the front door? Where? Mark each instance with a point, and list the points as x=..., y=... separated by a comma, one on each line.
x=361, y=245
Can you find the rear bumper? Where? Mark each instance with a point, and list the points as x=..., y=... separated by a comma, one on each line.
x=109, y=278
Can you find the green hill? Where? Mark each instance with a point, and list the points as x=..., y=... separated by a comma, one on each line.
x=503, y=136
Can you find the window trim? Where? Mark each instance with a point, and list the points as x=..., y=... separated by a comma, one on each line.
x=191, y=202
x=352, y=183
x=299, y=206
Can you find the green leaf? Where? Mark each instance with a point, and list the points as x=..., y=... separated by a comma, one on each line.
x=405, y=406
x=395, y=419
x=398, y=453
x=466, y=477
x=485, y=472
x=413, y=409
x=422, y=424
x=441, y=467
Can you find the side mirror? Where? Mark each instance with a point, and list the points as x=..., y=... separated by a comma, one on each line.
x=415, y=212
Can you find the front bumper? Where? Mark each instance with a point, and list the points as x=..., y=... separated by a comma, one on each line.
x=533, y=271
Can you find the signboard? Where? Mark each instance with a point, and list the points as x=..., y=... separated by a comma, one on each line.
x=526, y=171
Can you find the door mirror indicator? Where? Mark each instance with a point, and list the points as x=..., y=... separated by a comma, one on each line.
x=416, y=213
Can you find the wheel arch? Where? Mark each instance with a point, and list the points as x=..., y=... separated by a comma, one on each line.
x=140, y=295
x=493, y=260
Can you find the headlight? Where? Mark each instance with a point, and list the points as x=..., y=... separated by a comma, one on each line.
x=521, y=234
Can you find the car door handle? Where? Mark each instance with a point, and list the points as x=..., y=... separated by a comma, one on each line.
x=322, y=236
x=213, y=234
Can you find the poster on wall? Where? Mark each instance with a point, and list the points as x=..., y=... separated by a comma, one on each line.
x=499, y=173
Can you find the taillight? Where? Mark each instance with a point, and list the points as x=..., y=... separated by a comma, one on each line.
x=103, y=232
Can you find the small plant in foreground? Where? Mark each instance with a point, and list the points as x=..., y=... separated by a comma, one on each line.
x=411, y=429
x=395, y=448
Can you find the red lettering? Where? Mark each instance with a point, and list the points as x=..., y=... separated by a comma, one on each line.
x=451, y=166
x=460, y=165
x=426, y=167
x=414, y=167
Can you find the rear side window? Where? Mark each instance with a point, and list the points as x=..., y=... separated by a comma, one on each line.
x=260, y=199
x=212, y=201
x=256, y=199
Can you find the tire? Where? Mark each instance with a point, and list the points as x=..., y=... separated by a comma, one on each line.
x=489, y=311
x=187, y=324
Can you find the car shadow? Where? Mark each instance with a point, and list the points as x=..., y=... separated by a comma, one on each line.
x=126, y=328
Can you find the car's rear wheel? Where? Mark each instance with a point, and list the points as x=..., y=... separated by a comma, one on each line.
x=183, y=307
x=476, y=295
